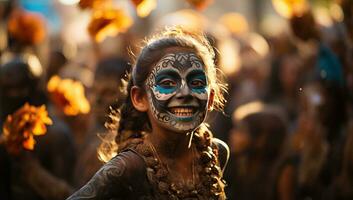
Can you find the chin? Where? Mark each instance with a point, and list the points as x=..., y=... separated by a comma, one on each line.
x=182, y=125
x=179, y=130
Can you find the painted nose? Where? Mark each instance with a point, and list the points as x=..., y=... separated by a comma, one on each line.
x=184, y=92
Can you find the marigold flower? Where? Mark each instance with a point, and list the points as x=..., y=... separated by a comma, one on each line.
x=69, y=95
x=188, y=19
x=92, y=4
x=289, y=8
x=20, y=128
x=200, y=4
x=235, y=23
x=26, y=27
x=144, y=7
x=108, y=22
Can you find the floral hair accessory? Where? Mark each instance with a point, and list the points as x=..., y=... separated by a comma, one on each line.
x=69, y=95
x=20, y=128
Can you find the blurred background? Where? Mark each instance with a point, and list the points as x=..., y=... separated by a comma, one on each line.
x=288, y=65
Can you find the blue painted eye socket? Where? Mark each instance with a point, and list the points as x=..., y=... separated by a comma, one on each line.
x=164, y=90
x=166, y=82
x=166, y=86
x=197, y=81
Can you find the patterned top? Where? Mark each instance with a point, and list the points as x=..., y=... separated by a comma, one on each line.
x=124, y=177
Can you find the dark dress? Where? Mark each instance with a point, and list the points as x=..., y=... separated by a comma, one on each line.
x=43, y=173
x=125, y=177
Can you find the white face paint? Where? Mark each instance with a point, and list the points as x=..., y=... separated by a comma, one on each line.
x=178, y=91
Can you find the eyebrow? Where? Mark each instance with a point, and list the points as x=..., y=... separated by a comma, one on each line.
x=163, y=73
x=196, y=72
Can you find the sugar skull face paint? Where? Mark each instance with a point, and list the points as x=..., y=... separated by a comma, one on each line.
x=178, y=91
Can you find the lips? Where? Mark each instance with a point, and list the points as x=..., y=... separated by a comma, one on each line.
x=183, y=111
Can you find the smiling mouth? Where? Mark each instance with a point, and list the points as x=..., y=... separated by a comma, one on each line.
x=183, y=111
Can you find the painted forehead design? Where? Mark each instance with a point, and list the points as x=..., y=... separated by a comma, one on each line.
x=182, y=61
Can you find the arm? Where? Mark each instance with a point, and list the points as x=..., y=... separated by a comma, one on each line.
x=285, y=185
x=43, y=182
x=56, y=159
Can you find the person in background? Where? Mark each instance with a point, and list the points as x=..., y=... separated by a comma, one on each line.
x=46, y=172
x=341, y=188
x=106, y=95
x=256, y=146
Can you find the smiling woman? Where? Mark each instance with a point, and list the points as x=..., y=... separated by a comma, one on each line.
x=165, y=150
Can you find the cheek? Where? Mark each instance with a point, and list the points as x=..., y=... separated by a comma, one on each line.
x=201, y=94
x=162, y=94
x=157, y=101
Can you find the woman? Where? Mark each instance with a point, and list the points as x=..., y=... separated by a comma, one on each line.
x=302, y=172
x=164, y=149
x=256, y=142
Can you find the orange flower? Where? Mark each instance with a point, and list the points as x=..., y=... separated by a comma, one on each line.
x=108, y=22
x=187, y=19
x=289, y=8
x=69, y=95
x=83, y=4
x=144, y=7
x=27, y=28
x=200, y=4
x=20, y=128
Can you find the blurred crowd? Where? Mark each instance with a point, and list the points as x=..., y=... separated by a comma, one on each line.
x=288, y=119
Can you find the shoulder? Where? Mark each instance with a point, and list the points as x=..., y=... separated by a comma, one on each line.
x=117, y=178
x=223, y=152
x=124, y=166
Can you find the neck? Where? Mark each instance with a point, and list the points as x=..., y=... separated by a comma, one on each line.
x=170, y=144
x=174, y=153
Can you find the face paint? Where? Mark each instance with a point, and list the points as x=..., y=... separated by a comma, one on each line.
x=178, y=91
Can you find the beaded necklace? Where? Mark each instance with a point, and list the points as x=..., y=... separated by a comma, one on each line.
x=165, y=165
x=210, y=185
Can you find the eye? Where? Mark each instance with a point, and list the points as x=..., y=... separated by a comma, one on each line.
x=197, y=83
x=167, y=83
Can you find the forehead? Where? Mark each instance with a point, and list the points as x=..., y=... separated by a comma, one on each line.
x=182, y=61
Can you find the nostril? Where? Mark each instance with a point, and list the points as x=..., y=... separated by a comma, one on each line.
x=184, y=97
x=184, y=91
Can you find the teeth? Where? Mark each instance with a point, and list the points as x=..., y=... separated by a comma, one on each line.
x=182, y=112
